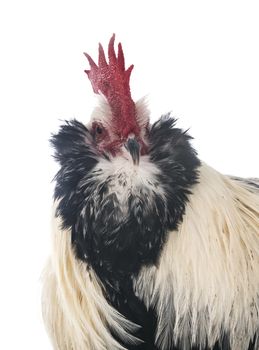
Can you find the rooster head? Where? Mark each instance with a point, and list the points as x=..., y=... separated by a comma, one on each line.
x=116, y=123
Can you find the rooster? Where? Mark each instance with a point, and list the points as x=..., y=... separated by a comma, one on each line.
x=152, y=248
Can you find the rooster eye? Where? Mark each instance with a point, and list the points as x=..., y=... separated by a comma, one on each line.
x=99, y=130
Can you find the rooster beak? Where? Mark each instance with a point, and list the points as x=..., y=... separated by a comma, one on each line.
x=132, y=146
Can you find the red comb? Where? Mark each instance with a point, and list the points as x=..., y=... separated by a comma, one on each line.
x=112, y=80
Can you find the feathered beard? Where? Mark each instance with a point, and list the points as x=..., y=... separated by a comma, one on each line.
x=120, y=213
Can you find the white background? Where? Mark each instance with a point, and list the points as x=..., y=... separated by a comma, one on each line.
x=199, y=59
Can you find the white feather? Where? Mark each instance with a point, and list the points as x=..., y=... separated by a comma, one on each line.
x=126, y=178
x=102, y=112
x=143, y=112
x=207, y=279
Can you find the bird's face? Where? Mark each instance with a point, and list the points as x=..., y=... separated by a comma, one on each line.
x=115, y=138
x=124, y=165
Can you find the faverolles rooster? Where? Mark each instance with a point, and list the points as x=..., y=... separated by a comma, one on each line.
x=152, y=249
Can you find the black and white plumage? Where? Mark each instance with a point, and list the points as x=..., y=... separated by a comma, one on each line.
x=151, y=250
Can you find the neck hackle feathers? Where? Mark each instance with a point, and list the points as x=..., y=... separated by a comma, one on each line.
x=111, y=80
